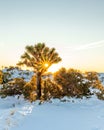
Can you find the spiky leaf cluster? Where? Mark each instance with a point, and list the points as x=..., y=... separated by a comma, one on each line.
x=38, y=55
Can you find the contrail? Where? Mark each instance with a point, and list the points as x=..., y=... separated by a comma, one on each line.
x=90, y=45
x=74, y=49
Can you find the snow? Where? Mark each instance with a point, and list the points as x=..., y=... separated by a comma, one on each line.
x=64, y=114
x=18, y=73
x=13, y=110
x=84, y=81
x=101, y=77
x=74, y=114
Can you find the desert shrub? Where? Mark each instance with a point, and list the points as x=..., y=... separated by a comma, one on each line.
x=72, y=83
x=14, y=87
x=6, y=77
x=94, y=80
x=30, y=89
x=10, y=68
x=100, y=95
x=92, y=76
x=50, y=90
x=1, y=77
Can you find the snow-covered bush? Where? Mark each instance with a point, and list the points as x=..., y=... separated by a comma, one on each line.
x=30, y=89
x=100, y=95
x=14, y=87
x=6, y=77
x=65, y=82
x=94, y=80
x=73, y=82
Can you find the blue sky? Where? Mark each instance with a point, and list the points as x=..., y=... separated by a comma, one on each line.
x=74, y=27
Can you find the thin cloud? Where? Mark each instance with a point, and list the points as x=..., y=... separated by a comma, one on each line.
x=86, y=46
x=75, y=49
x=90, y=45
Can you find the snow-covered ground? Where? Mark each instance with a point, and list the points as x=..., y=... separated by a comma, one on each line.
x=75, y=114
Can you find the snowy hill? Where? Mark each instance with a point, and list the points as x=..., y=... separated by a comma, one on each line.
x=26, y=74
x=18, y=73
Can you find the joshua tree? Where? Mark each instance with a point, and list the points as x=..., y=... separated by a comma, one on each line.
x=40, y=58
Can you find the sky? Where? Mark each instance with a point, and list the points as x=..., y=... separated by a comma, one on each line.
x=74, y=27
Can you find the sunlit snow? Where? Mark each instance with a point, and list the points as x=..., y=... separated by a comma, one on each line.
x=74, y=114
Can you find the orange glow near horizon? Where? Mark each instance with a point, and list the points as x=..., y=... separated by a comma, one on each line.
x=97, y=67
x=56, y=67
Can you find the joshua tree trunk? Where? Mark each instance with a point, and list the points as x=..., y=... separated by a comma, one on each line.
x=38, y=85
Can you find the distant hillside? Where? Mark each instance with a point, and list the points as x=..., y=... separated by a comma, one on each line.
x=12, y=73
x=101, y=77
x=15, y=72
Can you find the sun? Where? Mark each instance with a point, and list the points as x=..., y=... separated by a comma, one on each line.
x=46, y=65
x=54, y=68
